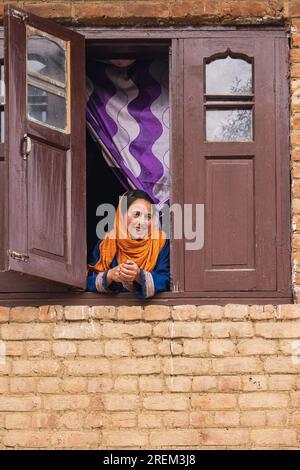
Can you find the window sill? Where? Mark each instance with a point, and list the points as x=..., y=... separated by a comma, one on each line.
x=164, y=298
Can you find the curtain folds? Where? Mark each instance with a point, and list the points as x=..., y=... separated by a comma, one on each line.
x=128, y=116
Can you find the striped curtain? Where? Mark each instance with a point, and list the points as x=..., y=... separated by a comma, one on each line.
x=128, y=116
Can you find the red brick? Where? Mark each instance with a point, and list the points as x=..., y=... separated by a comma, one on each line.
x=269, y=436
x=83, y=330
x=116, y=401
x=75, y=439
x=201, y=418
x=166, y=401
x=184, y=312
x=44, y=420
x=151, y=384
x=28, y=439
x=227, y=418
x=229, y=329
x=74, y=384
x=130, y=438
x=124, y=420
x=78, y=312
x=91, y=348
x=126, y=384
x=279, y=329
x=49, y=385
x=4, y=314
x=23, y=314
x=226, y=437
x=70, y=420
x=50, y=313
x=156, y=312
x=19, y=403
x=263, y=400
x=138, y=330
x=50, y=9
x=25, y=331
x=22, y=385
x=104, y=313
x=176, y=419
x=148, y=420
x=18, y=421
x=178, y=330
x=174, y=437
x=204, y=383
x=36, y=367
x=213, y=401
x=87, y=366
x=38, y=348
x=210, y=312
x=229, y=365
x=129, y=313
x=187, y=366
x=145, y=365
x=66, y=402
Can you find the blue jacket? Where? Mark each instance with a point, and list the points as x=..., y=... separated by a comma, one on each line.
x=155, y=281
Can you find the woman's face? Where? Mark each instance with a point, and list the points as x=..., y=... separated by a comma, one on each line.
x=122, y=62
x=139, y=216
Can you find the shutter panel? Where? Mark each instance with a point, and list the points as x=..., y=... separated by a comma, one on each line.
x=235, y=180
x=45, y=148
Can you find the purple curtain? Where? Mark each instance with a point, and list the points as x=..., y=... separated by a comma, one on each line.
x=128, y=115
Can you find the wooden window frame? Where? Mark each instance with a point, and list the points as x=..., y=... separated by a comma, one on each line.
x=178, y=296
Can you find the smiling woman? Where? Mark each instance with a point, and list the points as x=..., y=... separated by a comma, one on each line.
x=134, y=255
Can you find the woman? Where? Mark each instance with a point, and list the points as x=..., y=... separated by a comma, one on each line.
x=134, y=255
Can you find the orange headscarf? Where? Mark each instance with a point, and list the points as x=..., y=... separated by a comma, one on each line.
x=143, y=252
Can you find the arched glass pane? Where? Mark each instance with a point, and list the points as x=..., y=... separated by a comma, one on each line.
x=228, y=77
x=47, y=58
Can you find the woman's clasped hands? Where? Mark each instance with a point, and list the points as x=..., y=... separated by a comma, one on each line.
x=125, y=272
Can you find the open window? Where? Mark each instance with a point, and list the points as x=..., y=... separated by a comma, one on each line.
x=128, y=108
x=229, y=151
x=44, y=149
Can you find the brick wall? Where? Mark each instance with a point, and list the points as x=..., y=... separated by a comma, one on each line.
x=163, y=11
x=159, y=377
x=153, y=377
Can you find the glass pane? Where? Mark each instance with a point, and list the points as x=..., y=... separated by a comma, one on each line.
x=228, y=77
x=2, y=126
x=233, y=125
x=47, y=58
x=47, y=107
x=2, y=102
x=2, y=89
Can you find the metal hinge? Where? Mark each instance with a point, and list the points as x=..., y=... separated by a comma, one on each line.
x=18, y=256
x=26, y=146
x=20, y=15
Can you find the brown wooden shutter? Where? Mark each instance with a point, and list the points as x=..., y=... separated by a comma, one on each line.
x=241, y=184
x=46, y=188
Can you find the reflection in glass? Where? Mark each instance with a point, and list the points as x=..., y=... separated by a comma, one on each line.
x=228, y=77
x=46, y=58
x=233, y=125
x=2, y=102
x=2, y=126
x=47, y=107
x=2, y=89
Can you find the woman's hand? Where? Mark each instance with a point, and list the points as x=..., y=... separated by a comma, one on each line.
x=114, y=274
x=130, y=272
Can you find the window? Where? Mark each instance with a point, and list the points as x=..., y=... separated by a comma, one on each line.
x=229, y=151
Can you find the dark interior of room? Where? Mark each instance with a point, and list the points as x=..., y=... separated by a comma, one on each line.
x=102, y=184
